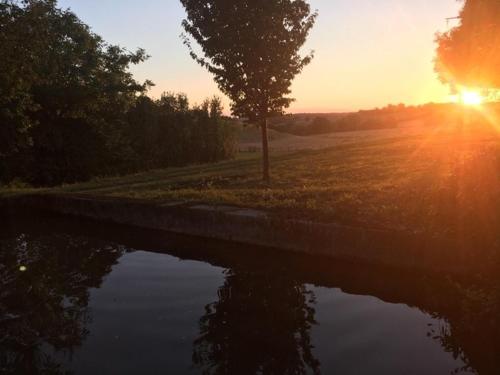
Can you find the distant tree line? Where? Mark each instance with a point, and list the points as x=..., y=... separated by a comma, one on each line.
x=389, y=117
x=335, y=123
x=70, y=108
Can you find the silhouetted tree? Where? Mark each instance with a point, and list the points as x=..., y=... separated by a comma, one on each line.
x=469, y=54
x=64, y=93
x=168, y=132
x=70, y=108
x=252, y=48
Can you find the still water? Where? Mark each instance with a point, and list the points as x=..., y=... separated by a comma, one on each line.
x=81, y=298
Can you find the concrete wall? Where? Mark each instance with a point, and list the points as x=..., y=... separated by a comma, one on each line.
x=258, y=228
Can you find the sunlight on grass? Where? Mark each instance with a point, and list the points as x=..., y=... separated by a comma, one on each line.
x=437, y=181
x=441, y=180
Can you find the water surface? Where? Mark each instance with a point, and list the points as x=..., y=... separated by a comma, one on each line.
x=87, y=299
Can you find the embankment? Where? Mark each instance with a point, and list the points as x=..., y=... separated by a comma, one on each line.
x=390, y=248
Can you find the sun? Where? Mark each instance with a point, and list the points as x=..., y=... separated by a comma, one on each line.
x=468, y=97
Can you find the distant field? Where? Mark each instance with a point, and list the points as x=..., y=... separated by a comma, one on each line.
x=251, y=135
x=250, y=139
x=312, y=131
x=439, y=181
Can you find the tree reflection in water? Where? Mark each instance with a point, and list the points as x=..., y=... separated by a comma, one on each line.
x=261, y=323
x=44, y=297
x=473, y=330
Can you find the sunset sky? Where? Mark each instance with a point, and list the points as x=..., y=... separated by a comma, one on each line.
x=369, y=53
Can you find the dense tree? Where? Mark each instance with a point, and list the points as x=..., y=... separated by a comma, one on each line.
x=63, y=90
x=70, y=108
x=169, y=132
x=469, y=54
x=252, y=48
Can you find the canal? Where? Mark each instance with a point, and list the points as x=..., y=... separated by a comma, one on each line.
x=86, y=298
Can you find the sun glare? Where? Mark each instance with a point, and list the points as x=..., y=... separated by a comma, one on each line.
x=471, y=98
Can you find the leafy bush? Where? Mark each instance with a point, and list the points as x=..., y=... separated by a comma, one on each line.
x=70, y=108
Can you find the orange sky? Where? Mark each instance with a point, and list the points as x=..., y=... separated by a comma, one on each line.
x=369, y=53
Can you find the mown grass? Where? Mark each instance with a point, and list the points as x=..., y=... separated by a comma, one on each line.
x=438, y=182
x=18, y=188
x=435, y=182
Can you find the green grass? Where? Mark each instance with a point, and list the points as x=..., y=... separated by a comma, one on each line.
x=251, y=134
x=18, y=188
x=438, y=182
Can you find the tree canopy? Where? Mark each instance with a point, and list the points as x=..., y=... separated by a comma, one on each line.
x=469, y=54
x=70, y=108
x=60, y=85
x=252, y=47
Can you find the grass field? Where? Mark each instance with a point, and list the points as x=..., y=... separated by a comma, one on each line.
x=438, y=181
x=287, y=142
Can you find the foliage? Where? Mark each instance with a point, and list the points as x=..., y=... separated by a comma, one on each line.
x=252, y=47
x=167, y=132
x=63, y=93
x=467, y=55
x=71, y=110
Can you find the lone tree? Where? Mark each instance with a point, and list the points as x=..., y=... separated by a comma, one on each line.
x=469, y=54
x=252, y=48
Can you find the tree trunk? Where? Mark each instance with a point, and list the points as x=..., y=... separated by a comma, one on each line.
x=265, y=152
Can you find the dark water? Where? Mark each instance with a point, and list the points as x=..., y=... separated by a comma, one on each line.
x=116, y=300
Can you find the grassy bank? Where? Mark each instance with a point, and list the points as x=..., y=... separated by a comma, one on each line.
x=442, y=181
